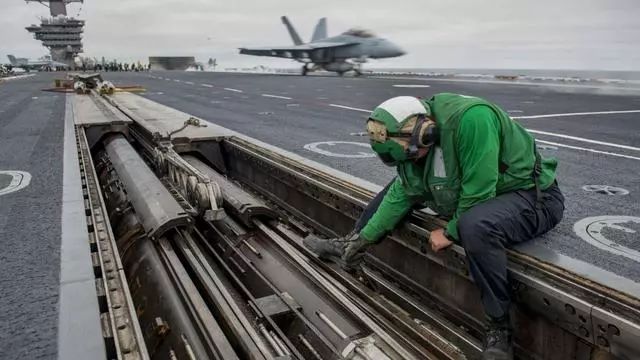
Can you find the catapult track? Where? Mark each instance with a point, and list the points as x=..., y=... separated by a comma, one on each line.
x=213, y=226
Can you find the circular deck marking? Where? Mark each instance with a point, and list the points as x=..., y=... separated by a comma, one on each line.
x=605, y=189
x=316, y=147
x=591, y=230
x=18, y=180
x=411, y=86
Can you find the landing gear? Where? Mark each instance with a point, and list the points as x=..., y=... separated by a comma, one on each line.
x=340, y=73
x=357, y=69
x=304, y=70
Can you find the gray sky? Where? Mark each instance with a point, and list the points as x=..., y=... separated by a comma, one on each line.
x=540, y=34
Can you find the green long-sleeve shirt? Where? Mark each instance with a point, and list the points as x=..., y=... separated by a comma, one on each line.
x=395, y=205
x=478, y=156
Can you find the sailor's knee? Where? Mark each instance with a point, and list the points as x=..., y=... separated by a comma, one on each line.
x=556, y=208
x=475, y=232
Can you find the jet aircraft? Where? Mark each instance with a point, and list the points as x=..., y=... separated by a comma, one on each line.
x=29, y=65
x=341, y=53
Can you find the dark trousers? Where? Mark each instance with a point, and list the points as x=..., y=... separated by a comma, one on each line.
x=487, y=229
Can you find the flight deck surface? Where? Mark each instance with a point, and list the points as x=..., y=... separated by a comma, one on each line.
x=320, y=118
x=31, y=141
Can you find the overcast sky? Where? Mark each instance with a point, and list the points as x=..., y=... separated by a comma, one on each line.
x=533, y=34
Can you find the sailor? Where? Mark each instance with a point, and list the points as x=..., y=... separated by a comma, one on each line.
x=466, y=159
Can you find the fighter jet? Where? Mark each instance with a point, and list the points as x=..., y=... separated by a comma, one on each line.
x=341, y=53
x=29, y=65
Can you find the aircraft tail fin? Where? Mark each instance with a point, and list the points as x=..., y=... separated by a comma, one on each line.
x=320, y=32
x=292, y=31
x=12, y=60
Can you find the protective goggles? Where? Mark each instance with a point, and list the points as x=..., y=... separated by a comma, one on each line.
x=378, y=132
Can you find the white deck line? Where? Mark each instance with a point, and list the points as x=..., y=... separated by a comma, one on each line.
x=277, y=96
x=569, y=137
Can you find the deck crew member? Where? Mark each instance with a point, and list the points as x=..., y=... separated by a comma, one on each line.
x=465, y=158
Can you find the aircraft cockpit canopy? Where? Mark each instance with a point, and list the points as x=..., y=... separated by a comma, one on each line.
x=359, y=32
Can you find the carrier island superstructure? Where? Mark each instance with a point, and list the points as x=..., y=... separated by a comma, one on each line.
x=60, y=33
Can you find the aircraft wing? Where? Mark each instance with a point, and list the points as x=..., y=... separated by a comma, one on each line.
x=39, y=64
x=296, y=51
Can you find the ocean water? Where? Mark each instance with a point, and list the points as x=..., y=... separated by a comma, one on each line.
x=582, y=75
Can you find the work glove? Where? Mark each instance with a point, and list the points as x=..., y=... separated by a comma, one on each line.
x=354, y=252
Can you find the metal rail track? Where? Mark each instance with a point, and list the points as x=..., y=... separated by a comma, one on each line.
x=270, y=232
x=283, y=301
x=121, y=329
x=175, y=316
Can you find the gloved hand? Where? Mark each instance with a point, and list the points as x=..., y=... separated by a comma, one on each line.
x=354, y=252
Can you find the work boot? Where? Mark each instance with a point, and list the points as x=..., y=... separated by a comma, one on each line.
x=498, y=344
x=346, y=251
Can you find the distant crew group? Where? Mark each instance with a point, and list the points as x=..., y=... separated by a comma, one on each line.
x=115, y=66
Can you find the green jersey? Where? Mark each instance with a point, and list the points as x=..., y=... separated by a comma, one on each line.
x=482, y=153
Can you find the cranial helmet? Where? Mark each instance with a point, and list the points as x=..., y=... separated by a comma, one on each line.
x=398, y=127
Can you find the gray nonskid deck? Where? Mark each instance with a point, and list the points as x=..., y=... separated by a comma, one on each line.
x=31, y=133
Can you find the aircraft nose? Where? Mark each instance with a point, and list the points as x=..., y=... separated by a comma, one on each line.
x=395, y=50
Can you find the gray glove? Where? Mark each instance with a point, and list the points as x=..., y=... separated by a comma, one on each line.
x=354, y=252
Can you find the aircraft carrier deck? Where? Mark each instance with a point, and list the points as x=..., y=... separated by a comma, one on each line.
x=292, y=112
x=47, y=277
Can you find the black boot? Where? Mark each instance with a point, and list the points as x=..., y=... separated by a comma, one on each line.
x=498, y=343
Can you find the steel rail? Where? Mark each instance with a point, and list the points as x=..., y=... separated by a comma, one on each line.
x=175, y=317
x=334, y=291
x=441, y=337
x=251, y=343
x=245, y=266
x=121, y=322
x=210, y=328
